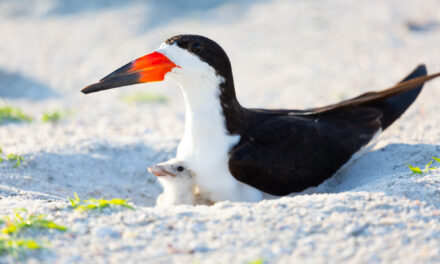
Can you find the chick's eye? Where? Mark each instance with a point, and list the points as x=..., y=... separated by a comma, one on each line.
x=195, y=47
x=180, y=168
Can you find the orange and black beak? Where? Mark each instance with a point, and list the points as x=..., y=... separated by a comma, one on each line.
x=149, y=68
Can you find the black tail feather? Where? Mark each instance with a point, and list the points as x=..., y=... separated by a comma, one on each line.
x=393, y=107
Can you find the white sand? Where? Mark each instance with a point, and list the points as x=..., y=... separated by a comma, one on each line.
x=290, y=54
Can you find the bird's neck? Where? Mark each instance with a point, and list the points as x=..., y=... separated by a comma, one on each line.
x=211, y=104
x=234, y=113
x=209, y=111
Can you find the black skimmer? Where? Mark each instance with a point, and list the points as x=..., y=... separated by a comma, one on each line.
x=179, y=184
x=238, y=152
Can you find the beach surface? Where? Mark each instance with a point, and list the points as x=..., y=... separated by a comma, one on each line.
x=285, y=54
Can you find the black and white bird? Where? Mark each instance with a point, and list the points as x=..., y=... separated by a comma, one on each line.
x=237, y=153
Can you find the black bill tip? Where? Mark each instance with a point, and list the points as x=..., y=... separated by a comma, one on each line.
x=109, y=83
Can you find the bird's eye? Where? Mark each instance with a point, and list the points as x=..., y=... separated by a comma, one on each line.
x=195, y=47
x=180, y=168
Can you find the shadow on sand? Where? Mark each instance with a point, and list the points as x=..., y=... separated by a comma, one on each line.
x=17, y=86
x=156, y=12
x=100, y=170
x=385, y=170
x=177, y=7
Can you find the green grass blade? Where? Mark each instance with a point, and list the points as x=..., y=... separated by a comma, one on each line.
x=44, y=223
x=16, y=225
x=436, y=159
x=142, y=98
x=13, y=114
x=72, y=202
x=15, y=158
x=121, y=202
x=31, y=244
x=415, y=170
x=258, y=261
x=92, y=203
x=427, y=166
x=15, y=247
x=52, y=116
x=10, y=229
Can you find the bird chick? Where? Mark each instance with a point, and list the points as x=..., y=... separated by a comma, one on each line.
x=179, y=184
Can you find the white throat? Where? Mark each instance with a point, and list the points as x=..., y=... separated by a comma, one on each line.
x=176, y=191
x=206, y=142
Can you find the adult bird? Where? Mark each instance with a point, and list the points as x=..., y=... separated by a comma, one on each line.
x=238, y=152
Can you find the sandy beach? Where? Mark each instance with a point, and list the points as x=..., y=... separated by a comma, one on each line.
x=285, y=54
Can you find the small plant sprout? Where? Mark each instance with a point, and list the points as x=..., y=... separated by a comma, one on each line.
x=143, y=98
x=418, y=170
x=13, y=114
x=52, y=116
x=96, y=204
x=17, y=223
x=11, y=228
x=16, y=247
x=258, y=261
x=415, y=170
x=15, y=158
x=436, y=159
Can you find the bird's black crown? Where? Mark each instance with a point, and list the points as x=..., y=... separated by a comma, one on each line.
x=206, y=49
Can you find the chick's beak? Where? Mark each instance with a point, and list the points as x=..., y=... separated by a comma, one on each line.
x=159, y=172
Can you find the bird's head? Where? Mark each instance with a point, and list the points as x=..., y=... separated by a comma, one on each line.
x=171, y=169
x=183, y=58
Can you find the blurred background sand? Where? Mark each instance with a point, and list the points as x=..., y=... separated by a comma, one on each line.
x=285, y=54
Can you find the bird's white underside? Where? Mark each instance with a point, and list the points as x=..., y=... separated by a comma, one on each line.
x=206, y=142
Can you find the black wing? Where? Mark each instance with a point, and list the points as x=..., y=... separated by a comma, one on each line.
x=392, y=102
x=296, y=149
x=289, y=153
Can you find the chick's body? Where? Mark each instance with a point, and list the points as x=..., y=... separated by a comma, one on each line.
x=179, y=184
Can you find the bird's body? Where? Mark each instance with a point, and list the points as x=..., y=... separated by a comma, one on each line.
x=238, y=153
x=206, y=142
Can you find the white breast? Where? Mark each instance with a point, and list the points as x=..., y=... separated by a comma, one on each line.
x=206, y=143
